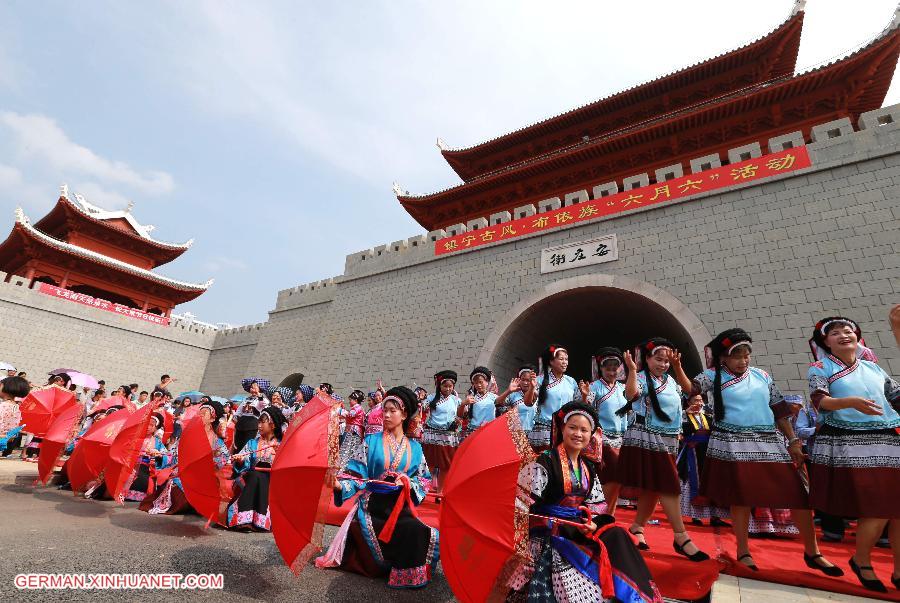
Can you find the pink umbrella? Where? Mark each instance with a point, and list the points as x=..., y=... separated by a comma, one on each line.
x=77, y=378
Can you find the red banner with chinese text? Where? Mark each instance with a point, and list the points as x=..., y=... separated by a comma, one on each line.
x=102, y=304
x=782, y=162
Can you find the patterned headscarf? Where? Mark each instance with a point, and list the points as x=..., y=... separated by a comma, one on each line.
x=307, y=392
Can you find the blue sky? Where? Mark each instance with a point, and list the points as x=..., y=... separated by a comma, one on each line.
x=271, y=132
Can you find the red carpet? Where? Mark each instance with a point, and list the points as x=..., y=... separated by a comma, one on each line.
x=780, y=559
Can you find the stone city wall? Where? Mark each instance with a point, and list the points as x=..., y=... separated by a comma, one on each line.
x=39, y=333
x=771, y=257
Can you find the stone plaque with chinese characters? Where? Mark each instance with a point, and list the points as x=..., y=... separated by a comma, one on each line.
x=575, y=255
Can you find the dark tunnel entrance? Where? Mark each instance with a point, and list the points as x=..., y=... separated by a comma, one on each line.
x=583, y=319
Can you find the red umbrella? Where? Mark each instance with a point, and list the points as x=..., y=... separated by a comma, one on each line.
x=168, y=425
x=298, y=496
x=63, y=429
x=206, y=488
x=107, y=403
x=125, y=451
x=92, y=451
x=318, y=403
x=40, y=408
x=481, y=529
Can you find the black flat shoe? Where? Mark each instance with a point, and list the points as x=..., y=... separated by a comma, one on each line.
x=833, y=571
x=750, y=565
x=696, y=557
x=719, y=523
x=873, y=585
x=643, y=546
x=696, y=522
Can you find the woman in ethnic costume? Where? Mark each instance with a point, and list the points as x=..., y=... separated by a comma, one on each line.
x=169, y=498
x=439, y=435
x=419, y=419
x=381, y=536
x=153, y=456
x=249, y=510
x=747, y=464
x=695, y=434
x=520, y=396
x=555, y=388
x=353, y=420
x=647, y=459
x=607, y=397
x=855, y=464
x=375, y=414
x=479, y=408
x=596, y=562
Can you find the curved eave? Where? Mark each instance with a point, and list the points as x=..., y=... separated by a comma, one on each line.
x=23, y=226
x=140, y=233
x=868, y=72
x=786, y=37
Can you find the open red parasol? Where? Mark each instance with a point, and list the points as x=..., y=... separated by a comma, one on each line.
x=126, y=450
x=63, y=429
x=40, y=408
x=92, y=451
x=107, y=403
x=298, y=495
x=481, y=528
x=317, y=404
x=206, y=487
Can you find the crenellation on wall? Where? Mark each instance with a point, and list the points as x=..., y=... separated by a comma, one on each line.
x=878, y=133
x=317, y=292
x=755, y=255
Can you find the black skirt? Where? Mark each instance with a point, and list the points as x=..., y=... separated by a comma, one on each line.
x=250, y=508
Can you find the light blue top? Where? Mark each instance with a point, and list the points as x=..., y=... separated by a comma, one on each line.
x=370, y=461
x=526, y=413
x=559, y=392
x=864, y=379
x=748, y=399
x=444, y=413
x=484, y=410
x=669, y=395
x=607, y=400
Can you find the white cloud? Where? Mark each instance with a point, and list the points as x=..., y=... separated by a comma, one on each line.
x=39, y=138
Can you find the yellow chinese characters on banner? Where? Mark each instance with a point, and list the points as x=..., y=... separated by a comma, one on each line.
x=735, y=174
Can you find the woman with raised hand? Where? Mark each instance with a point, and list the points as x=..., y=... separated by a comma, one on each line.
x=479, y=407
x=607, y=397
x=747, y=464
x=555, y=388
x=649, y=447
x=855, y=464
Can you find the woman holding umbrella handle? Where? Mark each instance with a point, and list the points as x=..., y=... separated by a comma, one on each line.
x=382, y=536
x=577, y=553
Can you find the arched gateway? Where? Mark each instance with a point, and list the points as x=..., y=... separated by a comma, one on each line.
x=586, y=312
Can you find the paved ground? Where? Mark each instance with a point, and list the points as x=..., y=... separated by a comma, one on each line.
x=51, y=531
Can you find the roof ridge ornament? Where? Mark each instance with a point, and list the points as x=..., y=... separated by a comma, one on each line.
x=64, y=190
x=799, y=7
x=896, y=21
x=398, y=190
x=130, y=207
x=441, y=144
x=21, y=218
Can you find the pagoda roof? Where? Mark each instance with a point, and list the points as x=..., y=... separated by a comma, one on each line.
x=853, y=84
x=770, y=56
x=112, y=220
x=24, y=228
